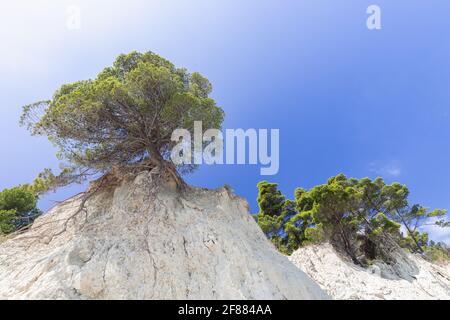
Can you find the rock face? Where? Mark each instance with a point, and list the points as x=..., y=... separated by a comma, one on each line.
x=135, y=241
x=410, y=278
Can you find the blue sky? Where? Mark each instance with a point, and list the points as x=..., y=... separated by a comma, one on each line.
x=346, y=99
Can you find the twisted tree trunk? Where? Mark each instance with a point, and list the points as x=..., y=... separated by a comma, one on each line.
x=165, y=166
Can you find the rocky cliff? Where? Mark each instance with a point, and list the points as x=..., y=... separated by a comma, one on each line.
x=137, y=240
x=410, y=277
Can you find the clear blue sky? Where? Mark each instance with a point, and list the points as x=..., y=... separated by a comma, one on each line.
x=346, y=99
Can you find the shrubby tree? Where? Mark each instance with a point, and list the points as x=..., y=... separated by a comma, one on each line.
x=362, y=218
x=437, y=252
x=124, y=118
x=17, y=208
x=270, y=200
x=278, y=217
x=7, y=221
x=415, y=217
x=271, y=211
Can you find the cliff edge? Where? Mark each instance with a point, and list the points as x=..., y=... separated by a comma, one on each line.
x=137, y=240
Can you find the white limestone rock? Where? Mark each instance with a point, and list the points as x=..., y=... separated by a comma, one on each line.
x=411, y=278
x=135, y=241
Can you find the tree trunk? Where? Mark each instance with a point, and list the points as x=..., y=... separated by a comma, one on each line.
x=410, y=233
x=165, y=166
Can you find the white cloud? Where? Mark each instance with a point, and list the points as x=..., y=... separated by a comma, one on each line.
x=437, y=233
x=389, y=170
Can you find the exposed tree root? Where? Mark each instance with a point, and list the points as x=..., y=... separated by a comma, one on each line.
x=167, y=171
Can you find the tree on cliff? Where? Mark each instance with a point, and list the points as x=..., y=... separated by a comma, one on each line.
x=123, y=118
x=361, y=217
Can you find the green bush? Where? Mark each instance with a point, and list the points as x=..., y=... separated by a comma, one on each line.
x=17, y=208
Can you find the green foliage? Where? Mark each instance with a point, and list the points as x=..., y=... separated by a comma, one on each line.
x=270, y=225
x=7, y=218
x=270, y=199
x=414, y=240
x=314, y=235
x=437, y=253
x=380, y=224
x=17, y=208
x=359, y=217
x=123, y=118
x=273, y=211
x=20, y=199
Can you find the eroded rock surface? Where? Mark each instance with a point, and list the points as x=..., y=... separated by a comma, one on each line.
x=133, y=241
x=410, y=278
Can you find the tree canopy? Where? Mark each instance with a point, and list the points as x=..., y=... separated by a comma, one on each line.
x=123, y=118
x=359, y=217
